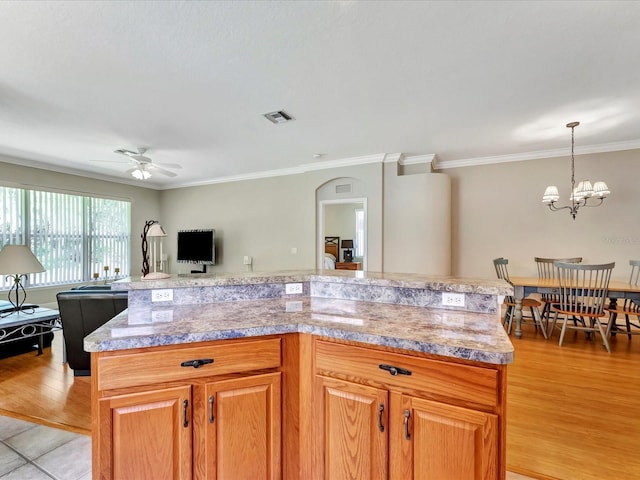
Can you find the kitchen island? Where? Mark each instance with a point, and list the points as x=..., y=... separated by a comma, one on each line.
x=355, y=375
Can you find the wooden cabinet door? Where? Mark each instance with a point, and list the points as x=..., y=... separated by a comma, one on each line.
x=242, y=437
x=146, y=435
x=434, y=440
x=350, y=430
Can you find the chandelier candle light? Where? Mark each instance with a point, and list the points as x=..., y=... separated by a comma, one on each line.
x=581, y=194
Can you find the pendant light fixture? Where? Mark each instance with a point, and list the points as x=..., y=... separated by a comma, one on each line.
x=581, y=194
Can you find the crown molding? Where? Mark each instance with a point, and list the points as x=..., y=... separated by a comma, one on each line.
x=418, y=159
x=306, y=167
x=393, y=157
x=345, y=162
x=519, y=157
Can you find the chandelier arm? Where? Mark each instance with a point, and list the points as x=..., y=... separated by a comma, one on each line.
x=553, y=207
x=585, y=204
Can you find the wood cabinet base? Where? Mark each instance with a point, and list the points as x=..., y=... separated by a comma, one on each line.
x=304, y=408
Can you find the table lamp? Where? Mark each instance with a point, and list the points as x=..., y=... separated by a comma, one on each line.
x=348, y=254
x=16, y=261
x=156, y=233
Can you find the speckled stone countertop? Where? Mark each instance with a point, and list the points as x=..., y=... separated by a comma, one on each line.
x=404, y=280
x=458, y=334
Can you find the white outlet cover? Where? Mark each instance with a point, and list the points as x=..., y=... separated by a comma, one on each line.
x=292, y=288
x=453, y=299
x=162, y=295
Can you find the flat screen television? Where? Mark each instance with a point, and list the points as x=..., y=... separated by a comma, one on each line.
x=197, y=246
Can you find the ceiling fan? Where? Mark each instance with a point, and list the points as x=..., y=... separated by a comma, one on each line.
x=145, y=167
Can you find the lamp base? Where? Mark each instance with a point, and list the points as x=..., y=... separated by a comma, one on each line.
x=155, y=276
x=348, y=256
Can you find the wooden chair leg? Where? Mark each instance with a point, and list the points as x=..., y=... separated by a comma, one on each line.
x=508, y=318
x=605, y=342
x=553, y=325
x=564, y=329
x=626, y=317
x=612, y=322
x=538, y=320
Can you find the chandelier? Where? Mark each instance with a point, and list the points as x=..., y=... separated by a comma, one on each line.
x=581, y=194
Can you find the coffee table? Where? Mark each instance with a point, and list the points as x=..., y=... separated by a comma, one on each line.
x=20, y=325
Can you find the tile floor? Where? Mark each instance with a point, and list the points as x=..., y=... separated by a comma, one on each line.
x=35, y=452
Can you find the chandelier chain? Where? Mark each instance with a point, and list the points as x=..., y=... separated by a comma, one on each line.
x=573, y=167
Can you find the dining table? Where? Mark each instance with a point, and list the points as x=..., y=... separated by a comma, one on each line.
x=525, y=286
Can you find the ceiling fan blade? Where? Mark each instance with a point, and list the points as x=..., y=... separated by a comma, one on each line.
x=161, y=170
x=124, y=151
x=141, y=158
x=169, y=165
x=124, y=160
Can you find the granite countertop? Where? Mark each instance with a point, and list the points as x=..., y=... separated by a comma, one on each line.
x=457, y=334
x=404, y=280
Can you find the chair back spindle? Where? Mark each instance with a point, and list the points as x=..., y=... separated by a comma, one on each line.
x=583, y=288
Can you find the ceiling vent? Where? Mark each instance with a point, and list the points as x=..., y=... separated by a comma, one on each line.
x=278, y=117
x=345, y=188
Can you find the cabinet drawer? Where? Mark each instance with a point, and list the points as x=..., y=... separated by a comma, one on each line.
x=462, y=384
x=164, y=365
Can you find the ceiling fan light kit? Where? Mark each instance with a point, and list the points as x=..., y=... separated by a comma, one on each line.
x=144, y=165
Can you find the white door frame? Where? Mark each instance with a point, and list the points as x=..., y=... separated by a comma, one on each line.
x=321, y=205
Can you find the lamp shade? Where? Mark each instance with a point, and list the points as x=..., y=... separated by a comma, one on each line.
x=156, y=230
x=18, y=259
x=347, y=244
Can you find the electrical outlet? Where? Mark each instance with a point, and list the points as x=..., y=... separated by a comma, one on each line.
x=162, y=316
x=293, y=307
x=292, y=288
x=453, y=299
x=164, y=295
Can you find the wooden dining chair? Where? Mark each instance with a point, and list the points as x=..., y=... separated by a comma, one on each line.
x=582, y=297
x=500, y=264
x=546, y=271
x=629, y=308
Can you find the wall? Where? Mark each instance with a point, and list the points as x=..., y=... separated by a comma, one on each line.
x=497, y=211
x=266, y=218
x=417, y=226
x=145, y=205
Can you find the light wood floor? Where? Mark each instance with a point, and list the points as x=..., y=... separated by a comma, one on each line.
x=572, y=410
x=41, y=389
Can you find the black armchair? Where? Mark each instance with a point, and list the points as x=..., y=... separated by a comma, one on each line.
x=82, y=311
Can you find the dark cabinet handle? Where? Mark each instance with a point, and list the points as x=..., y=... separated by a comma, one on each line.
x=211, y=419
x=394, y=370
x=407, y=414
x=380, y=412
x=196, y=363
x=185, y=421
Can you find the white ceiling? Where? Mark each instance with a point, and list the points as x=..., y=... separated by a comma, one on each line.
x=191, y=80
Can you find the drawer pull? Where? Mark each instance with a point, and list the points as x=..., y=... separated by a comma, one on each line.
x=211, y=419
x=394, y=370
x=196, y=363
x=380, y=412
x=185, y=421
x=407, y=435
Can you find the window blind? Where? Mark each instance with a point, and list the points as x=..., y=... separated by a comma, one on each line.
x=72, y=236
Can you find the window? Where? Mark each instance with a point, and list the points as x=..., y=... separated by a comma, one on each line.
x=359, y=240
x=74, y=237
